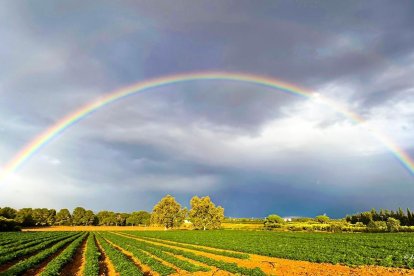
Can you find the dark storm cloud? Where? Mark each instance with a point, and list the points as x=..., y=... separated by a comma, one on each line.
x=204, y=137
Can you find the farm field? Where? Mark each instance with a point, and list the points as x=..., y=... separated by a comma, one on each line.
x=204, y=253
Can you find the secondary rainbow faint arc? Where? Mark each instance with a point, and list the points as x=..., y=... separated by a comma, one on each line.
x=36, y=144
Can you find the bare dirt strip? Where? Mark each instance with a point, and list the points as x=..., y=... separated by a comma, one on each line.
x=213, y=270
x=7, y=265
x=105, y=265
x=179, y=270
x=277, y=266
x=11, y=263
x=74, y=267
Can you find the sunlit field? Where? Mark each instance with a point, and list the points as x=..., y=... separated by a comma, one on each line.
x=203, y=253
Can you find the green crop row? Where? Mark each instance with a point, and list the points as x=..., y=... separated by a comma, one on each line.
x=143, y=257
x=53, y=267
x=207, y=250
x=13, y=255
x=11, y=237
x=25, y=244
x=8, y=239
x=28, y=263
x=155, y=265
x=91, y=257
x=230, y=267
x=122, y=264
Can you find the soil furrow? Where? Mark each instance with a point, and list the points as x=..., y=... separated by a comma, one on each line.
x=75, y=266
x=214, y=270
x=191, y=244
x=11, y=263
x=105, y=266
x=7, y=265
x=144, y=268
x=36, y=270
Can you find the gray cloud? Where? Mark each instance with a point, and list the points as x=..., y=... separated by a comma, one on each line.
x=236, y=142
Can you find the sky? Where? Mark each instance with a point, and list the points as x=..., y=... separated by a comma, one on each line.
x=254, y=150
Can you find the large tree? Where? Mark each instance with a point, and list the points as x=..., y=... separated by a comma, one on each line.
x=204, y=214
x=78, y=216
x=25, y=217
x=63, y=217
x=168, y=213
x=8, y=212
x=106, y=218
x=121, y=219
x=51, y=217
x=89, y=218
x=44, y=216
x=139, y=218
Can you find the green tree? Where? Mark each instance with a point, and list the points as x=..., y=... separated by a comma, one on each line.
x=78, y=216
x=393, y=225
x=366, y=217
x=89, y=218
x=8, y=224
x=273, y=221
x=24, y=217
x=121, y=219
x=106, y=218
x=322, y=219
x=375, y=215
x=51, y=217
x=204, y=214
x=43, y=216
x=63, y=217
x=139, y=218
x=410, y=218
x=8, y=212
x=168, y=213
x=376, y=226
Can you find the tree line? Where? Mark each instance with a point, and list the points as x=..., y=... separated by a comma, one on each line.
x=404, y=218
x=167, y=213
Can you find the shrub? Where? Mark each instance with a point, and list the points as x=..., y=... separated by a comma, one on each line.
x=9, y=225
x=273, y=221
x=322, y=219
x=393, y=224
x=376, y=226
x=337, y=227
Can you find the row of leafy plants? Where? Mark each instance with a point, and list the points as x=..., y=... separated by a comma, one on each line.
x=12, y=238
x=203, y=249
x=230, y=267
x=54, y=267
x=32, y=261
x=122, y=264
x=22, y=244
x=11, y=255
x=139, y=248
x=391, y=249
x=92, y=255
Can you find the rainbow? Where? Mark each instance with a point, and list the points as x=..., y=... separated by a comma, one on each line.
x=71, y=119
